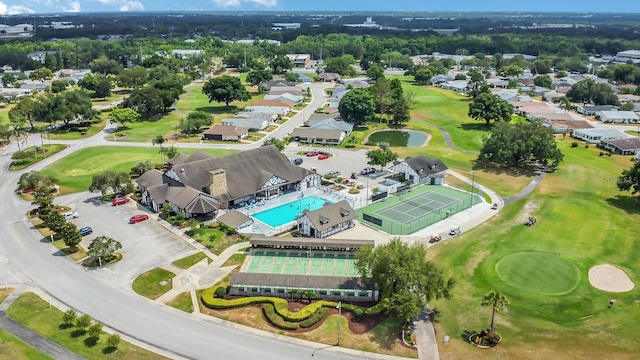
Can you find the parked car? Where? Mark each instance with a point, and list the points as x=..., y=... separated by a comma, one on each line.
x=138, y=218
x=313, y=153
x=435, y=238
x=86, y=231
x=367, y=171
x=323, y=156
x=120, y=201
x=297, y=161
x=71, y=215
x=494, y=206
x=455, y=230
x=334, y=173
x=354, y=176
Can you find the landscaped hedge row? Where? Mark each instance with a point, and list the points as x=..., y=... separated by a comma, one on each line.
x=276, y=319
x=317, y=316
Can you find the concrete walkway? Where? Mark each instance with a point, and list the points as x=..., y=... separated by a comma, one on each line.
x=30, y=337
x=426, y=337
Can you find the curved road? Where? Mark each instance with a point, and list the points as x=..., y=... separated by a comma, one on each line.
x=125, y=311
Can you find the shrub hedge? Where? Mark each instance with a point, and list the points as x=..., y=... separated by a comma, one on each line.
x=277, y=320
x=315, y=318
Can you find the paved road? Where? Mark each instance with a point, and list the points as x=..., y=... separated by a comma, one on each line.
x=128, y=313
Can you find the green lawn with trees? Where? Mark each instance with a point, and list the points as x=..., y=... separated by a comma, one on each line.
x=76, y=170
x=582, y=219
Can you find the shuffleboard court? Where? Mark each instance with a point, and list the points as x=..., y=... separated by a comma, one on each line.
x=301, y=263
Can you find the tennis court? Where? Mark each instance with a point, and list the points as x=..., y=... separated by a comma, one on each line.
x=301, y=263
x=416, y=209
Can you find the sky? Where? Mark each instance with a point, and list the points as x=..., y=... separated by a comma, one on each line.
x=58, y=6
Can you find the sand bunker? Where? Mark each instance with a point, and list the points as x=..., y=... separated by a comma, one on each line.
x=607, y=277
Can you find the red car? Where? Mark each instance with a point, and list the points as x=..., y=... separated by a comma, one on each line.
x=119, y=201
x=137, y=218
x=323, y=156
x=313, y=153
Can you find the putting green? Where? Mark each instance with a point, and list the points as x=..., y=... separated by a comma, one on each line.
x=539, y=272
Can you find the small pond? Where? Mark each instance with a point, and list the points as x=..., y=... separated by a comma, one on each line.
x=398, y=138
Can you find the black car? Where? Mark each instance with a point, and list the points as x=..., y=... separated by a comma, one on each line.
x=297, y=161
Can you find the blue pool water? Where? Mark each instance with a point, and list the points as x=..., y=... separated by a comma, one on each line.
x=289, y=212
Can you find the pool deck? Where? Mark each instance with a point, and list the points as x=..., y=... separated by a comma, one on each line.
x=259, y=227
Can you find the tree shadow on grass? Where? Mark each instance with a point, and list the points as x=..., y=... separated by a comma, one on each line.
x=529, y=171
x=77, y=333
x=627, y=203
x=479, y=126
x=109, y=350
x=386, y=339
x=232, y=109
x=64, y=326
x=90, y=342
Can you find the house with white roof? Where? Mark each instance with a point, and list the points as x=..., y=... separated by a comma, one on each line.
x=617, y=117
x=597, y=135
x=293, y=99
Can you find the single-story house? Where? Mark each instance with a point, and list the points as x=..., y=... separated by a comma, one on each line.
x=273, y=83
x=225, y=133
x=200, y=184
x=288, y=98
x=625, y=117
x=318, y=136
x=552, y=116
x=553, y=95
x=235, y=219
x=352, y=81
x=596, y=135
x=255, y=124
x=567, y=127
x=11, y=93
x=277, y=110
x=325, y=76
x=278, y=90
x=304, y=79
x=420, y=169
x=331, y=123
x=624, y=146
x=455, y=85
x=271, y=103
x=256, y=116
x=299, y=60
x=629, y=98
x=326, y=221
x=498, y=83
x=591, y=110
x=441, y=78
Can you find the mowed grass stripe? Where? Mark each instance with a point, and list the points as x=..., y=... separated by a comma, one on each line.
x=539, y=272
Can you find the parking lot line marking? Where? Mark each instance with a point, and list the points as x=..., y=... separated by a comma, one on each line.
x=18, y=280
x=105, y=269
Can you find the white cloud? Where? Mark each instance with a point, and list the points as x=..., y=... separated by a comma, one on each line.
x=74, y=6
x=236, y=3
x=14, y=9
x=131, y=6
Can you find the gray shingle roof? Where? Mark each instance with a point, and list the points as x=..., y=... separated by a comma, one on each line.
x=150, y=179
x=316, y=133
x=423, y=165
x=233, y=218
x=330, y=215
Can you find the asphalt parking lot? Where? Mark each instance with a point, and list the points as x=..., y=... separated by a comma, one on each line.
x=344, y=161
x=145, y=245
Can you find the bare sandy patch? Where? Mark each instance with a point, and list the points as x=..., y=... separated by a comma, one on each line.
x=607, y=277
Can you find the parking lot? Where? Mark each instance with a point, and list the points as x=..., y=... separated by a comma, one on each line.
x=344, y=161
x=145, y=245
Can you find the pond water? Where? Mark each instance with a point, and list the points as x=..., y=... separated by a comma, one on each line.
x=398, y=138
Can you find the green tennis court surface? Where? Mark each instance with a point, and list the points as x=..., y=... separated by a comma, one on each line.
x=301, y=263
x=411, y=211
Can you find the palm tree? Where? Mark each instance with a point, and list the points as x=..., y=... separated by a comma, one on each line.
x=497, y=301
x=159, y=140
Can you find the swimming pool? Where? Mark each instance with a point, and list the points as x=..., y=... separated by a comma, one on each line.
x=288, y=212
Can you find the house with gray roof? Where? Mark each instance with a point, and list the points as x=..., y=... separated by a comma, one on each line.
x=421, y=169
x=460, y=86
x=625, y=146
x=307, y=135
x=279, y=90
x=201, y=183
x=289, y=98
x=235, y=219
x=591, y=110
x=617, y=117
x=276, y=110
x=254, y=124
x=225, y=133
x=326, y=221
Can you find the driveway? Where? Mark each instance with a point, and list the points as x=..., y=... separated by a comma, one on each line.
x=145, y=245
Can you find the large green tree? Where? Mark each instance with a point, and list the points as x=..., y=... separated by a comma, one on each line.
x=520, y=145
x=589, y=92
x=111, y=182
x=488, y=107
x=357, y=106
x=381, y=156
x=497, y=301
x=103, y=248
x=225, y=89
x=255, y=77
x=629, y=180
x=124, y=116
x=194, y=121
x=70, y=234
x=405, y=279
x=280, y=64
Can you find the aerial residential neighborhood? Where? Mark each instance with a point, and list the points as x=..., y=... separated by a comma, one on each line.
x=282, y=180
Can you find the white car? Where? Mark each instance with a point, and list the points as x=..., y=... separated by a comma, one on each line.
x=71, y=215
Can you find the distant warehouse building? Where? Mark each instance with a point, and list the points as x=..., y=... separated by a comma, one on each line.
x=625, y=56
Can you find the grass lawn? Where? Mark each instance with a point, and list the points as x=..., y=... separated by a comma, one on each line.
x=35, y=314
x=583, y=220
x=182, y=302
x=13, y=348
x=76, y=170
x=235, y=260
x=77, y=253
x=148, y=284
x=4, y=293
x=37, y=155
x=214, y=239
x=70, y=134
x=190, y=260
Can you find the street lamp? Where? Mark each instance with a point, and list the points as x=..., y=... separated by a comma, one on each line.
x=339, y=319
x=473, y=183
